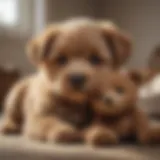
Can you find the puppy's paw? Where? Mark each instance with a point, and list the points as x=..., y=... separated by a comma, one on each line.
x=35, y=136
x=35, y=133
x=101, y=137
x=64, y=135
x=9, y=128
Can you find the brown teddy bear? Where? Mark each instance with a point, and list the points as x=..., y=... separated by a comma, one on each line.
x=117, y=115
x=71, y=52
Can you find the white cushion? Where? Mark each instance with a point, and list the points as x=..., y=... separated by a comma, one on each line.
x=149, y=96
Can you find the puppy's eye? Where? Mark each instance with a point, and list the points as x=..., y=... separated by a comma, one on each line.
x=120, y=90
x=62, y=60
x=95, y=60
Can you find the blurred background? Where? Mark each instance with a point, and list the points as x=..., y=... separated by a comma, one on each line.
x=21, y=19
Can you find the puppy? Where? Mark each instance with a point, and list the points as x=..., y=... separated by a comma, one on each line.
x=117, y=116
x=71, y=53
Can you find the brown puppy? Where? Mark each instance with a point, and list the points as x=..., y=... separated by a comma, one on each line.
x=68, y=56
x=117, y=115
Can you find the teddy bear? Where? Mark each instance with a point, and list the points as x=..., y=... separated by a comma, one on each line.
x=117, y=115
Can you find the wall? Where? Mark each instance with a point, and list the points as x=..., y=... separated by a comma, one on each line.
x=141, y=19
x=62, y=9
x=12, y=53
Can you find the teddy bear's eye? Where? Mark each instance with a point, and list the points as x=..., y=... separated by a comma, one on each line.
x=119, y=89
x=95, y=60
x=62, y=60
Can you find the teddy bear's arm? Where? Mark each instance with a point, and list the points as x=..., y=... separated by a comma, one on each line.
x=141, y=123
x=100, y=135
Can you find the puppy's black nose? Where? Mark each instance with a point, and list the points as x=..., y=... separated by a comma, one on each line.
x=77, y=80
x=108, y=101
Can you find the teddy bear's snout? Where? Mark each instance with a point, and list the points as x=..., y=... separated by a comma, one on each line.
x=108, y=101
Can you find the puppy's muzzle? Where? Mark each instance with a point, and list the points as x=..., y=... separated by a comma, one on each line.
x=77, y=81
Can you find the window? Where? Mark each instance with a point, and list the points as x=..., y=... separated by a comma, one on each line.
x=16, y=17
x=23, y=17
x=8, y=12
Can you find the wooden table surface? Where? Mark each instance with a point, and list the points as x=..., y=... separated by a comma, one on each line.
x=19, y=148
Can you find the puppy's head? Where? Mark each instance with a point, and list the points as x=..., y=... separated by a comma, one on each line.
x=70, y=54
x=115, y=94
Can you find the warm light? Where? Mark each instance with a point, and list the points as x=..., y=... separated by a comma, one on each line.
x=8, y=12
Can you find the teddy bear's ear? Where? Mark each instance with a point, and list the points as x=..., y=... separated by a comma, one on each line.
x=118, y=42
x=154, y=59
x=136, y=77
x=39, y=48
x=141, y=76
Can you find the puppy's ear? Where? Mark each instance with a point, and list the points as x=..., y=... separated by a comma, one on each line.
x=141, y=76
x=118, y=42
x=39, y=48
